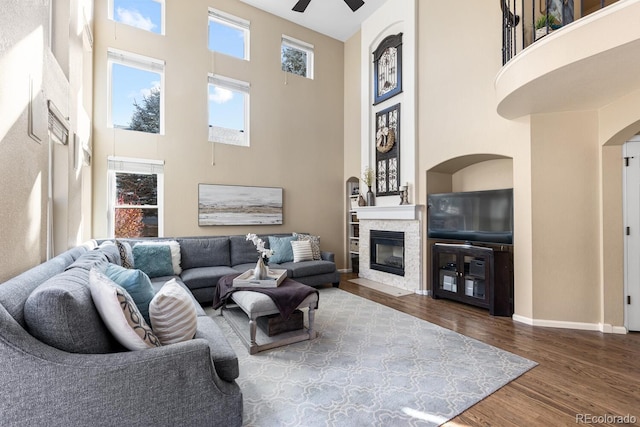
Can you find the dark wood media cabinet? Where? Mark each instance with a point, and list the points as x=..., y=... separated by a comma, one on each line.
x=476, y=274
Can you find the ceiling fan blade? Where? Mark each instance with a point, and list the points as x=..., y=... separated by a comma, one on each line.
x=354, y=4
x=301, y=6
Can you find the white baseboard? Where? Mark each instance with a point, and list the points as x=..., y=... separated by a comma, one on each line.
x=345, y=270
x=600, y=327
x=424, y=292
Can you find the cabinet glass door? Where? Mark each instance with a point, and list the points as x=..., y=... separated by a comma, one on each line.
x=448, y=272
x=474, y=277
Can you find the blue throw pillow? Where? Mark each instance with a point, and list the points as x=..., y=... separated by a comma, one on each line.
x=154, y=260
x=281, y=247
x=136, y=283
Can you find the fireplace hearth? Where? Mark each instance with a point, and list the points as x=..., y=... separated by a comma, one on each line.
x=387, y=251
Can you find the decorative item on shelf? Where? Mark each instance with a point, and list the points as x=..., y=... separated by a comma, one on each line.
x=368, y=177
x=261, y=272
x=361, y=201
x=404, y=194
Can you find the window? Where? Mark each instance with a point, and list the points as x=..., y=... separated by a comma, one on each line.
x=147, y=15
x=136, y=84
x=228, y=34
x=228, y=111
x=296, y=57
x=135, y=197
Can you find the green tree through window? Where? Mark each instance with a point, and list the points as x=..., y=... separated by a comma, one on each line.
x=146, y=117
x=294, y=61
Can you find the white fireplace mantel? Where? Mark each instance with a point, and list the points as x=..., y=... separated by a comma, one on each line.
x=398, y=212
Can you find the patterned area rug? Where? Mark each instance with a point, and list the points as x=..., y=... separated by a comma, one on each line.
x=370, y=366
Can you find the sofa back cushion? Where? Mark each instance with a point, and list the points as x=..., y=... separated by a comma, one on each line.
x=61, y=313
x=243, y=251
x=205, y=252
x=15, y=291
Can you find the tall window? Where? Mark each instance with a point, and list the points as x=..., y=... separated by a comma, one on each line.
x=147, y=15
x=228, y=111
x=296, y=57
x=136, y=188
x=136, y=84
x=228, y=34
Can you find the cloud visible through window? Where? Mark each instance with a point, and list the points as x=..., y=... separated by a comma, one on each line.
x=135, y=19
x=220, y=95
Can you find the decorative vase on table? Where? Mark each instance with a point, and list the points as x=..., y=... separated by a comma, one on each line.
x=261, y=270
x=371, y=198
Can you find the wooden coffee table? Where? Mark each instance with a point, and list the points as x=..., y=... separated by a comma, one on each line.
x=245, y=309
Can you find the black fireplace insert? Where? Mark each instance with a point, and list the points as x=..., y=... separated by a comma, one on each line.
x=387, y=251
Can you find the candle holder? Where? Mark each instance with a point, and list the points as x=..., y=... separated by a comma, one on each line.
x=404, y=195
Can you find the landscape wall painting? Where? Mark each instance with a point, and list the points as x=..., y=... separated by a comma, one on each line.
x=239, y=205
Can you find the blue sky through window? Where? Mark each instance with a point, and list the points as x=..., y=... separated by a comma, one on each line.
x=144, y=14
x=226, y=108
x=226, y=39
x=129, y=84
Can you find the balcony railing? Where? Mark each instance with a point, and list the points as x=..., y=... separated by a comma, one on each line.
x=526, y=21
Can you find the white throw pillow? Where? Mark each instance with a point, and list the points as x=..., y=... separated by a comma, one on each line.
x=301, y=250
x=120, y=314
x=173, y=315
x=176, y=258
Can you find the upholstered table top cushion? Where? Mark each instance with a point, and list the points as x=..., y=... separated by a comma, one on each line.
x=61, y=313
x=256, y=304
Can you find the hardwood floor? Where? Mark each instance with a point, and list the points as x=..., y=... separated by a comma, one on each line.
x=582, y=376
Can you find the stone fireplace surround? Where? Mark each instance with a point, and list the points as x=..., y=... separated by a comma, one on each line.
x=403, y=218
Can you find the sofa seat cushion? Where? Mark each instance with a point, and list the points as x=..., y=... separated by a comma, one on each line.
x=241, y=268
x=61, y=313
x=204, y=277
x=204, y=252
x=224, y=358
x=308, y=268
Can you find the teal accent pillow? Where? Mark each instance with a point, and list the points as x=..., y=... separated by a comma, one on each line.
x=154, y=260
x=281, y=247
x=136, y=283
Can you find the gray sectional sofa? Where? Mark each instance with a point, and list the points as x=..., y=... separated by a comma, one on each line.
x=60, y=365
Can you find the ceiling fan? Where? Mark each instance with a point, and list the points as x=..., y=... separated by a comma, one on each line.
x=301, y=5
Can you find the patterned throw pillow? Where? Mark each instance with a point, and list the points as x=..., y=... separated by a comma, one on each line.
x=315, y=244
x=173, y=315
x=120, y=314
x=302, y=250
x=126, y=254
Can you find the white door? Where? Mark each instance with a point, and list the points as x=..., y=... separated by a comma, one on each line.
x=632, y=239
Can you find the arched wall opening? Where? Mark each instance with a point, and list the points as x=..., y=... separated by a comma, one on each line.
x=472, y=172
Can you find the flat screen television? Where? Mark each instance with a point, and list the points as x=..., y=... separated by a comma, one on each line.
x=475, y=216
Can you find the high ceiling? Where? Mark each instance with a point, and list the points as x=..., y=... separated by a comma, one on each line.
x=330, y=17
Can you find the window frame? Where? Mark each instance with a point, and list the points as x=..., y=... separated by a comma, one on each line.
x=308, y=48
x=237, y=86
x=235, y=23
x=117, y=165
x=163, y=14
x=140, y=62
